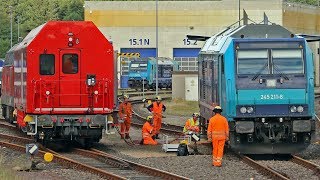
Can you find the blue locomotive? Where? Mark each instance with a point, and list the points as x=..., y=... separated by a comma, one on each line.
x=143, y=71
x=263, y=77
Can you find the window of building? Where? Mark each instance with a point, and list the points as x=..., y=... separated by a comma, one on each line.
x=47, y=66
x=70, y=64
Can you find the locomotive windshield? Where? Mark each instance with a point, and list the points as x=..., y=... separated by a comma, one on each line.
x=138, y=67
x=165, y=71
x=282, y=61
x=287, y=61
x=253, y=62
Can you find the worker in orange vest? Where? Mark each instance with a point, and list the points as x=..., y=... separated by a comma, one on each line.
x=125, y=114
x=218, y=132
x=147, y=132
x=157, y=108
x=192, y=124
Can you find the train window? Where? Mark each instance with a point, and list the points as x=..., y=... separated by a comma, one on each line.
x=252, y=61
x=70, y=63
x=47, y=66
x=287, y=61
x=138, y=67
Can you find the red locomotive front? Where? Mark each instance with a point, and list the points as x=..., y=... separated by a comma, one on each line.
x=58, y=83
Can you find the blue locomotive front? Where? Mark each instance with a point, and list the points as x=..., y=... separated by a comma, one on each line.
x=142, y=72
x=263, y=77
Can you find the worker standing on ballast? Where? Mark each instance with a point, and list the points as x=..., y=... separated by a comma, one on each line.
x=157, y=108
x=125, y=114
x=218, y=132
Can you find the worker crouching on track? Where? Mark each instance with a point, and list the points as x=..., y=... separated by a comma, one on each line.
x=191, y=128
x=125, y=114
x=192, y=125
x=157, y=108
x=218, y=132
x=147, y=132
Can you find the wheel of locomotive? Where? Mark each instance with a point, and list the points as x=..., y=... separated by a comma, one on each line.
x=9, y=114
x=4, y=111
x=88, y=143
x=147, y=87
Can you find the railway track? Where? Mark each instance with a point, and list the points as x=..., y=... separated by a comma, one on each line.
x=146, y=93
x=166, y=128
x=95, y=161
x=268, y=169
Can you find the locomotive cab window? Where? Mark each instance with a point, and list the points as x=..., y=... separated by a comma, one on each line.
x=70, y=63
x=288, y=61
x=47, y=66
x=252, y=62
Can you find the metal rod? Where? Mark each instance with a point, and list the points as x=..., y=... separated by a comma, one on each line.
x=18, y=19
x=10, y=25
x=142, y=88
x=157, y=52
x=239, y=12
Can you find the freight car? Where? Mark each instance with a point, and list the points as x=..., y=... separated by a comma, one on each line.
x=143, y=70
x=263, y=77
x=58, y=83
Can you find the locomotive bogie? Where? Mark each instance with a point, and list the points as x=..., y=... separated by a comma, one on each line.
x=68, y=128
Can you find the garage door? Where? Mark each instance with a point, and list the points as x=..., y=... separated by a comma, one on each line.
x=128, y=54
x=187, y=58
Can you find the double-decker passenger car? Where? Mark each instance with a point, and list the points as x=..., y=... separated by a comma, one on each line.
x=58, y=83
x=263, y=77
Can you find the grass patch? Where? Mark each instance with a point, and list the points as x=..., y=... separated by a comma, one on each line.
x=180, y=107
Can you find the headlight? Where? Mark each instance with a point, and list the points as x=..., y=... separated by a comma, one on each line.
x=300, y=109
x=243, y=110
x=249, y=110
x=293, y=109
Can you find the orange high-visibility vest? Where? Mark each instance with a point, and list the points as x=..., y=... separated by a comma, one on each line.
x=147, y=130
x=190, y=123
x=157, y=108
x=218, y=127
x=125, y=109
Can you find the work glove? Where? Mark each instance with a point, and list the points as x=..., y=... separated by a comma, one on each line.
x=121, y=121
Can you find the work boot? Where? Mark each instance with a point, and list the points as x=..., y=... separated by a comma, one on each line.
x=157, y=136
x=122, y=137
x=127, y=136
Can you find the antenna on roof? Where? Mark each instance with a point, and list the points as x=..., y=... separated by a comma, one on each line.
x=245, y=17
x=265, y=19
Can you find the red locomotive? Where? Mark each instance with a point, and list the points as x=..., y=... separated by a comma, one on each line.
x=58, y=83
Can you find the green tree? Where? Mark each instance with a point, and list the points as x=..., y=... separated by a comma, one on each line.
x=33, y=13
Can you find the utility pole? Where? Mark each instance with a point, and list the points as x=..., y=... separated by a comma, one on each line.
x=18, y=19
x=239, y=12
x=11, y=24
x=157, y=52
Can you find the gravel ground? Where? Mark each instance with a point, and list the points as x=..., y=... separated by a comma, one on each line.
x=193, y=166
x=16, y=162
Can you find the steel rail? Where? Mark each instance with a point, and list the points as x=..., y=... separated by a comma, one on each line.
x=148, y=93
x=16, y=138
x=305, y=163
x=139, y=167
x=261, y=168
x=7, y=125
x=67, y=162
